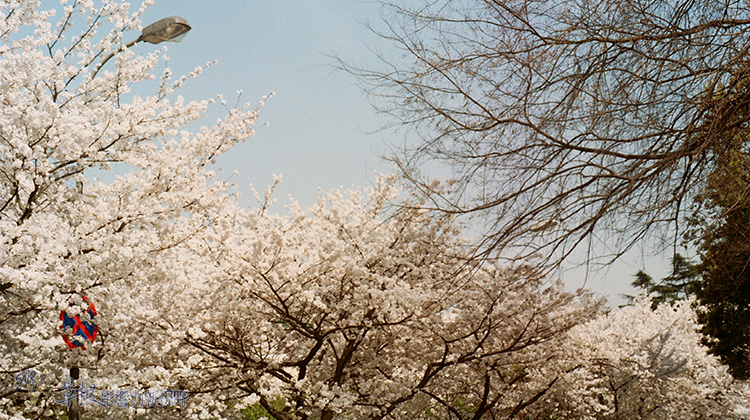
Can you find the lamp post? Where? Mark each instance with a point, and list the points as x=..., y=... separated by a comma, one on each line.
x=172, y=29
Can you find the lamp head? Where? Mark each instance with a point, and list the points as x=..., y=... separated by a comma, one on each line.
x=171, y=29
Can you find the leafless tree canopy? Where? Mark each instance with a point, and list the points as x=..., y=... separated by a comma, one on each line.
x=602, y=115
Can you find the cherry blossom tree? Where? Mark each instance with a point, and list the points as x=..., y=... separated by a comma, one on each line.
x=639, y=363
x=347, y=310
x=338, y=310
x=122, y=242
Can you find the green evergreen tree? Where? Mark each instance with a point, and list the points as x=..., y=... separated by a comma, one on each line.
x=721, y=227
x=724, y=290
x=679, y=284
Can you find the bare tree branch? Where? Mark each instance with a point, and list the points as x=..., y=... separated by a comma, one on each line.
x=592, y=114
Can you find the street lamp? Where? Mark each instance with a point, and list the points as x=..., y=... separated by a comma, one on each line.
x=168, y=29
x=172, y=29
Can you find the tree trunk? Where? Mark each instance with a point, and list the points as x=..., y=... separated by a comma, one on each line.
x=74, y=410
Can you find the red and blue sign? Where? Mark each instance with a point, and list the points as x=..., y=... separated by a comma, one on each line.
x=76, y=331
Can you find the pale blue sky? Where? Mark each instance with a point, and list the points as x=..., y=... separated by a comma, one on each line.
x=319, y=120
x=322, y=132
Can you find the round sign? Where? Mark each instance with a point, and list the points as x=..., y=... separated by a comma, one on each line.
x=77, y=331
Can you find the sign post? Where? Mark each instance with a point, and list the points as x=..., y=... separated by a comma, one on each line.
x=77, y=330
